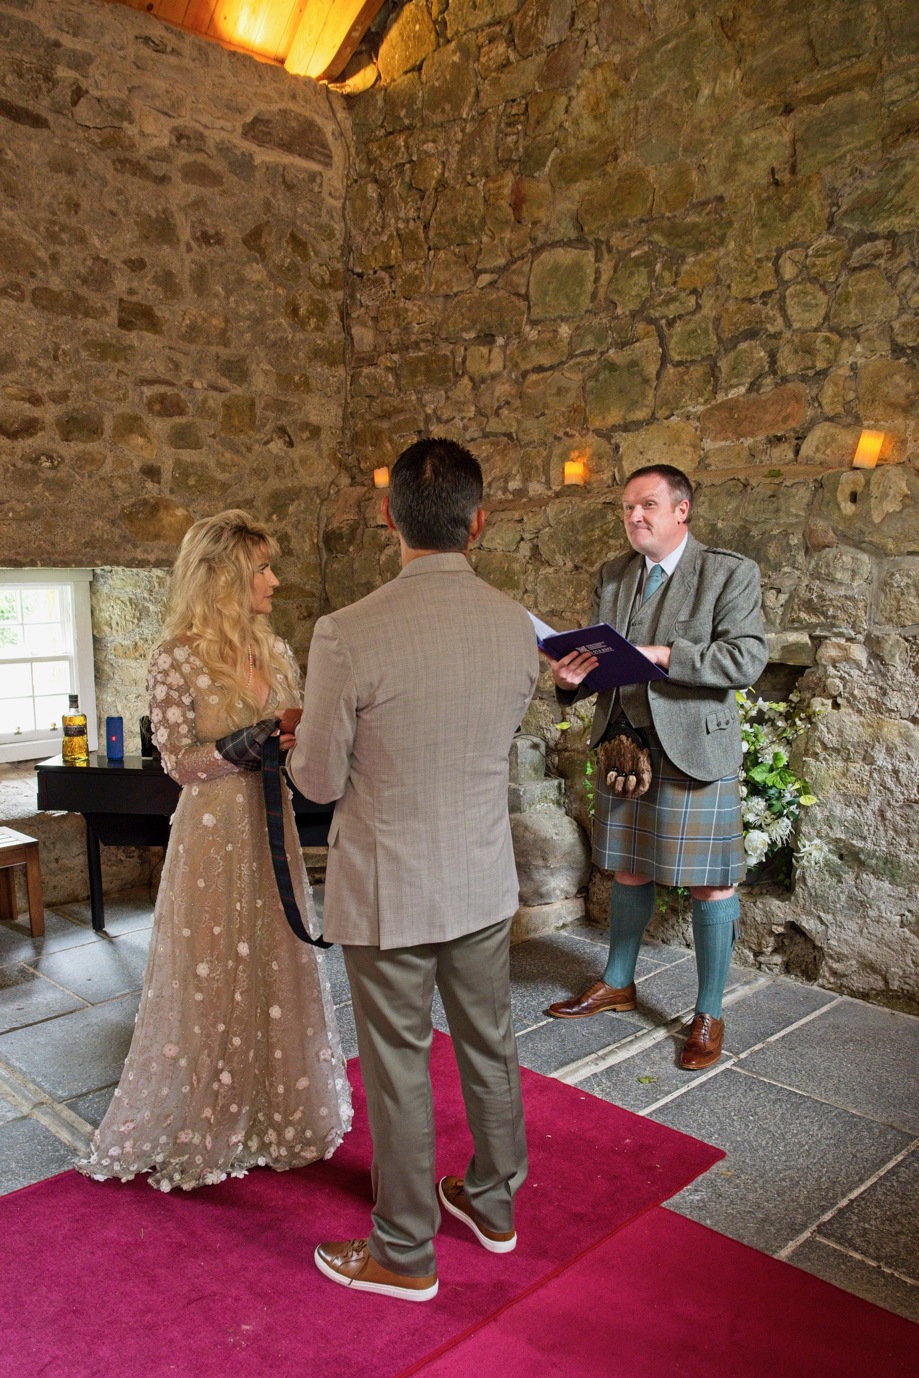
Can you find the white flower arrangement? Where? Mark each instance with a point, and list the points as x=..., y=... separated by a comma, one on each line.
x=772, y=794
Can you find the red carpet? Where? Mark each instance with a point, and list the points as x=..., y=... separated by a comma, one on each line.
x=667, y=1298
x=106, y=1280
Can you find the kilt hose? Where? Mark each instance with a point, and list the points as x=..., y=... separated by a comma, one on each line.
x=682, y=832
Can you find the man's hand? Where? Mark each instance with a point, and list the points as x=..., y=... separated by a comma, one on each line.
x=572, y=669
x=289, y=720
x=658, y=655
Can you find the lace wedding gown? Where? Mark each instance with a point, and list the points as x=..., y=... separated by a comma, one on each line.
x=235, y=1060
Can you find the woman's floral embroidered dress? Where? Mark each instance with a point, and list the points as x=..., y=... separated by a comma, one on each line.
x=235, y=1060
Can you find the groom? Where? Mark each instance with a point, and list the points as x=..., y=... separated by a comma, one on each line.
x=412, y=699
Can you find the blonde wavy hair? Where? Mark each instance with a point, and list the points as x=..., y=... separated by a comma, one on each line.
x=210, y=608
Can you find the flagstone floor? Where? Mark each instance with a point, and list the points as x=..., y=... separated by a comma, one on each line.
x=816, y=1100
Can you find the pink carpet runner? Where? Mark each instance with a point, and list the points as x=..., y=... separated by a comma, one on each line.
x=107, y=1280
x=667, y=1298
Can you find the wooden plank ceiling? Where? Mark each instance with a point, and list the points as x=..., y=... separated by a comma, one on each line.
x=312, y=38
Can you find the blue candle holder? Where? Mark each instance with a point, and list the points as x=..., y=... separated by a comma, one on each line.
x=114, y=739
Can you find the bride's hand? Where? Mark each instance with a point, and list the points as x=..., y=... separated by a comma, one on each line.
x=289, y=720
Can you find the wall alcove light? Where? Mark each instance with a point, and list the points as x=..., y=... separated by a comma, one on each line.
x=312, y=38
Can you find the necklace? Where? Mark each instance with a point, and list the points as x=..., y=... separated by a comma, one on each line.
x=251, y=659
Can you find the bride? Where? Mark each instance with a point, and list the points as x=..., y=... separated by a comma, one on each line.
x=235, y=1060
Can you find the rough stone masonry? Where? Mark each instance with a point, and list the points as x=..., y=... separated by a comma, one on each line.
x=685, y=231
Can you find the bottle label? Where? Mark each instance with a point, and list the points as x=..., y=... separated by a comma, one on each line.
x=75, y=729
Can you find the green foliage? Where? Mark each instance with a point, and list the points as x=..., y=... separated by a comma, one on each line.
x=590, y=771
x=772, y=792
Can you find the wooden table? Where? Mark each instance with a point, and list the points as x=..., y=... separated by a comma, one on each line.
x=18, y=849
x=129, y=803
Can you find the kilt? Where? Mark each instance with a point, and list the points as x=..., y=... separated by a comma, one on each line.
x=682, y=832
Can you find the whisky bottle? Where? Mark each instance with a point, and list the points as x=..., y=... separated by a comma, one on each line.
x=75, y=747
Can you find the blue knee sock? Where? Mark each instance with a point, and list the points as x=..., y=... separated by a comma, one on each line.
x=630, y=910
x=713, y=927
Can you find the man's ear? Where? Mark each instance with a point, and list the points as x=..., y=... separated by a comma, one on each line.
x=478, y=525
x=387, y=515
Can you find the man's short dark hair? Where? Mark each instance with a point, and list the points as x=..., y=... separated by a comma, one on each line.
x=677, y=482
x=435, y=489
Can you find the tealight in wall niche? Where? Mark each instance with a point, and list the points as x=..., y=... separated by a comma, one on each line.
x=575, y=472
x=381, y=477
x=868, y=449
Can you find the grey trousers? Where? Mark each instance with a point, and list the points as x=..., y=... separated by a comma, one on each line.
x=393, y=991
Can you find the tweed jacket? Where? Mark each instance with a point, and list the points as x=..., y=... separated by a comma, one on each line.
x=709, y=612
x=412, y=699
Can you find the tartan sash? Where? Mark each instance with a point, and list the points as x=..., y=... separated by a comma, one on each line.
x=271, y=788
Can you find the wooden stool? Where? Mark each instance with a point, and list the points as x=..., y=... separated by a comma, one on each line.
x=16, y=849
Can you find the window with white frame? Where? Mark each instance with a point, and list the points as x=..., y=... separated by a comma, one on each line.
x=46, y=654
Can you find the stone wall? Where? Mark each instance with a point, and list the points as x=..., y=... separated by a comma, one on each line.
x=171, y=280
x=127, y=615
x=687, y=232
x=171, y=288
x=683, y=231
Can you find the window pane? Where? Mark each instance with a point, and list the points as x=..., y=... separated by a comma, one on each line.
x=45, y=640
x=51, y=677
x=48, y=711
x=16, y=715
x=38, y=624
x=15, y=681
x=10, y=641
x=41, y=605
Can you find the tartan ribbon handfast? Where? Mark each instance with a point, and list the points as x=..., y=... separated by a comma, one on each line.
x=272, y=786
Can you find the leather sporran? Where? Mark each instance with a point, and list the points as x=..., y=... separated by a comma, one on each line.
x=625, y=763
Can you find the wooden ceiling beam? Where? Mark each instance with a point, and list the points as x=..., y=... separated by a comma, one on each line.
x=314, y=38
x=328, y=34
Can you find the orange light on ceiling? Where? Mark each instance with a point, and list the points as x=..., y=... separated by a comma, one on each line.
x=240, y=22
x=867, y=450
x=328, y=34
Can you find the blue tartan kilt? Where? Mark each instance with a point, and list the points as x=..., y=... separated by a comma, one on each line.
x=682, y=832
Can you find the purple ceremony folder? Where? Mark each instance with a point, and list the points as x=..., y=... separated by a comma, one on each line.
x=620, y=662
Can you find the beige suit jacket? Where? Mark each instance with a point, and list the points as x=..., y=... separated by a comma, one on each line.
x=412, y=699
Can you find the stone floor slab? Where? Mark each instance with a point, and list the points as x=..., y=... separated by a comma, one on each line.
x=856, y=1055
x=8, y=1111
x=338, y=978
x=553, y=967
x=651, y=948
x=765, y=1012
x=91, y=1108
x=18, y=945
x=855, y=1275
x=875, y=1223
x=124, y=913
x=665, y=992
x=29, y=1153
x=100, y=970
x=76, y=1052
x=27, y=998
x=346, y=1030
x=644, y=1078
x=790, y=1158
x=558, y=1042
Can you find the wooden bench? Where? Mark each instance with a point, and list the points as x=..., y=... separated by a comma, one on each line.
x=18, y=849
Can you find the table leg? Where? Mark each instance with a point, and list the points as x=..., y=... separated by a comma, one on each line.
x=33, y=889
x=94, y=866
x=8, y=896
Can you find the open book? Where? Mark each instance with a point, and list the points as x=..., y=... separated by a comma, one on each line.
x=620, y=662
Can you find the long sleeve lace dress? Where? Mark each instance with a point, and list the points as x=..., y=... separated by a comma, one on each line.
x=236, y=1059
